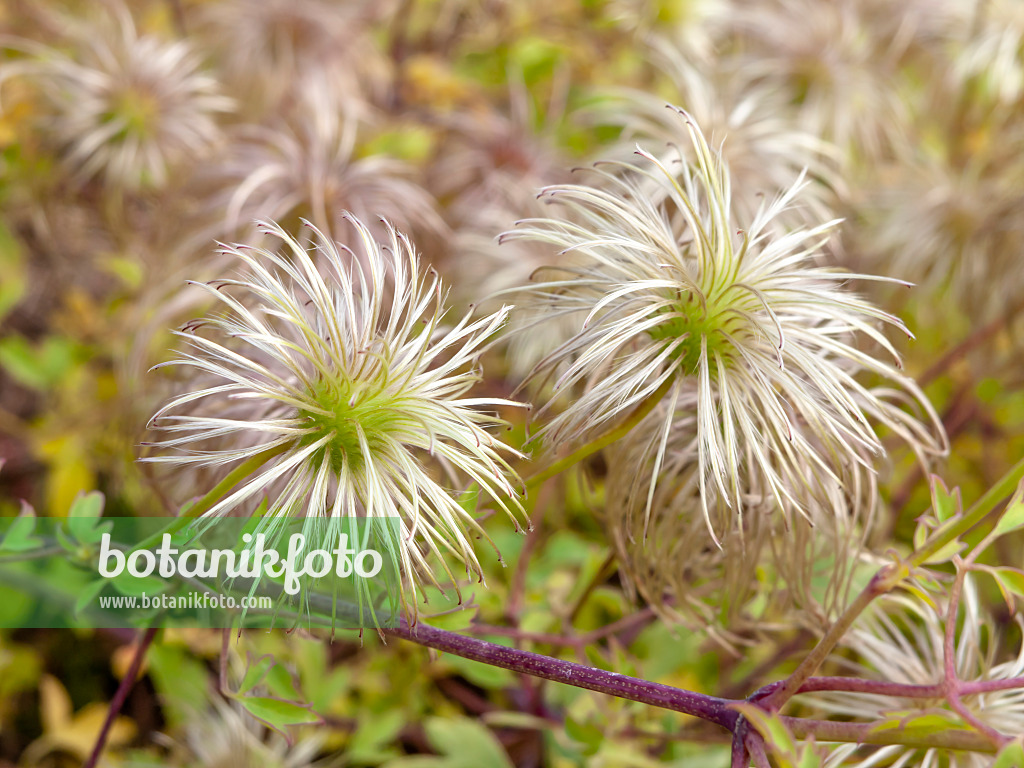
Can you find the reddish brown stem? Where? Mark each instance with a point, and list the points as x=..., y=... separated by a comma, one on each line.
x=117, y=703
x=700, y=705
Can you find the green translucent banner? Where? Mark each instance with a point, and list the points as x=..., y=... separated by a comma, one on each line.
x=116, y=572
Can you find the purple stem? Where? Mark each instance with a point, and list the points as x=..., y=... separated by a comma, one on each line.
x=876, y=687
x=758, y=754
x=973, y=687
x=858, y=685
x=127, y=682
x=710, y=708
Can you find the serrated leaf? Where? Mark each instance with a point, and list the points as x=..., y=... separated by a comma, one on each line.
x=927, y=525
x=1013, y=578
x=87, y=505
x=945, y=504
x=19, y=536
x=277, y=713
x=255, y=672
x=12, y=287
x=83, y=521
x=280, y=682
x=88, y=595
x=1009, y=580
x=1012, y=518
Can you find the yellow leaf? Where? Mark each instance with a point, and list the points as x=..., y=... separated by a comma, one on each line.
x=70, y=473
x=122, y=659
x=54, y=704
x=74, y=734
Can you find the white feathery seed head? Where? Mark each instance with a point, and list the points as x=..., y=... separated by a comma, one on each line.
x=304, y=163
x=760, y=570
x=843, y=61
x=126, y=107
x=747, y=117
x=734, y=327
x=266, y=47
x=347, y=370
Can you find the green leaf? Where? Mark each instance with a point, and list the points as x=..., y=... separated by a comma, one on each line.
x=19, y=536
x=586, y=733
x=127, y=269
x=422, y=761
x=181, y=680
x=1011, y=756
x=12, y=266
x=1013, y=578
x=467, y=742
x=84, y=516
x=945, y=554
x=919, y=724
x=455, y=620
x=277, y=713
x=469, y=499
x=411, y=143
x=321, y=685
x=945, y=505
x=127, y=584
x=37, y=366
x=1009, y=580
x=88, y=595
x=374, y=733
x=947, y=508
x=255, y=672
x=281, y=683
x=1012, y=518
x=87, y=505
x=774, y=732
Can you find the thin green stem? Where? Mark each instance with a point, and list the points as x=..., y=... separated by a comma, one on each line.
x=887, y=579
x=883, y=581
x=32, y=554
x=978, y=512
x=871, y=733
x=605, y=440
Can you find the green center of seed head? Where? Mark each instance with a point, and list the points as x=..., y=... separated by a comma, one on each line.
x=137, y=110
x=691, y=320
x=349, y=409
